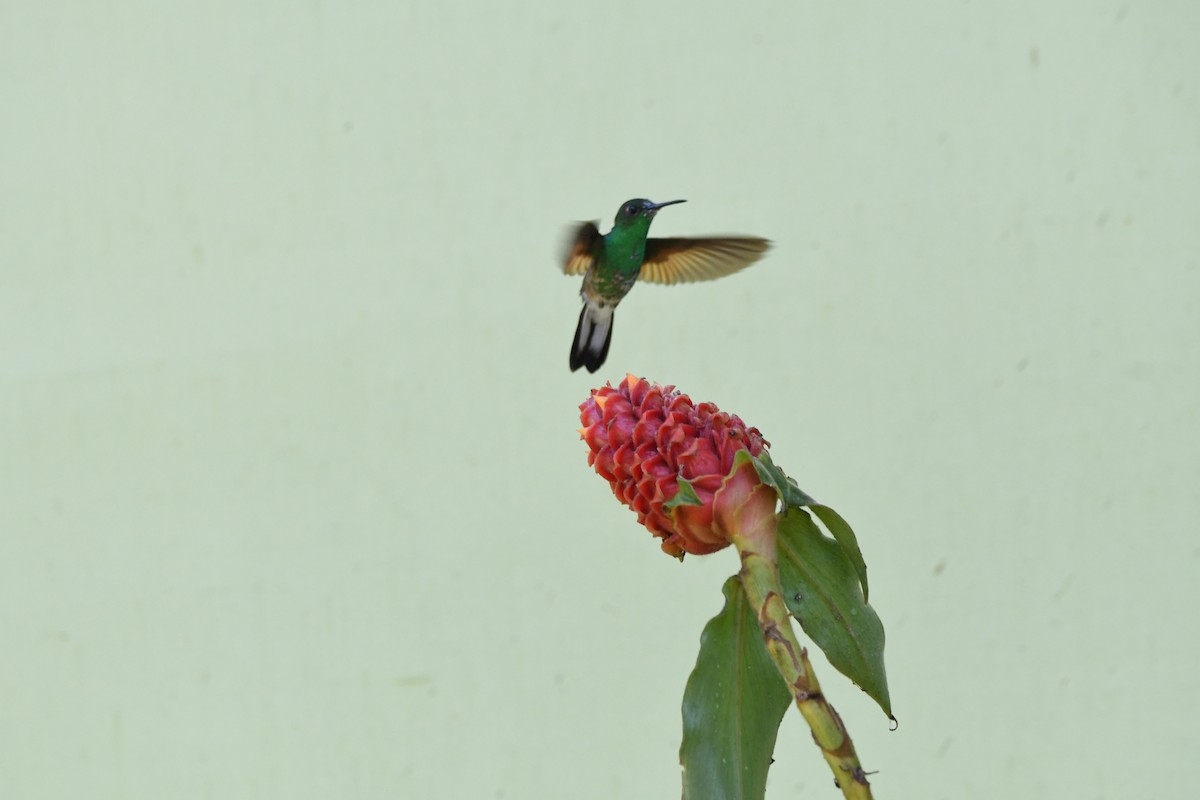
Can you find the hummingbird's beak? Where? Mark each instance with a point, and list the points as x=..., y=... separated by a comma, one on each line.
x=657, y=206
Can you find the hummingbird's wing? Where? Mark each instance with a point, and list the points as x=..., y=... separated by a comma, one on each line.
x=681, y=260
x=582, y=242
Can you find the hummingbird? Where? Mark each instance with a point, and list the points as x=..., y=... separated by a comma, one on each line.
x=612, y=263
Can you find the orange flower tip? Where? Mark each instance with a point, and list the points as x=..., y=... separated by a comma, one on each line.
x=630, y=379
x=582, y=433
x=600, y=399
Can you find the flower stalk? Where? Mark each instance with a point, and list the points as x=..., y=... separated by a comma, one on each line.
x=760, y=579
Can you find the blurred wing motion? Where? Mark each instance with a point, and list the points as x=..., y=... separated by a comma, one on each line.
x=581, y=248
x=680, y=260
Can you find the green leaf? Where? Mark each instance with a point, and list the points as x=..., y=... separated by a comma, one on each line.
x=822, y=590
x=844, y=534
x=788, y=491
x=732, y=707
x=686, y=496
x=793, y=496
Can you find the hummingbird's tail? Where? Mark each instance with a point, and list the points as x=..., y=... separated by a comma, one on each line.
x=592, y=337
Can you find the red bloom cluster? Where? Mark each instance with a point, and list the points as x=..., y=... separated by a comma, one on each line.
x=645, y=437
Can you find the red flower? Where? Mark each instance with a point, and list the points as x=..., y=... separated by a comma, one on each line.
x=645, y=437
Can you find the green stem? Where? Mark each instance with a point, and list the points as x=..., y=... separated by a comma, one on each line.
x=760, y=578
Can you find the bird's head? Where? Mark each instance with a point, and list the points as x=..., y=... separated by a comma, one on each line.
x=640, y=210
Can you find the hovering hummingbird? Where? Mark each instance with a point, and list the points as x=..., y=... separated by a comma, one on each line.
x=612, y=263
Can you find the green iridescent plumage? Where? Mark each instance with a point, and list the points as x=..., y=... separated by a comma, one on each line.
x=611, y=264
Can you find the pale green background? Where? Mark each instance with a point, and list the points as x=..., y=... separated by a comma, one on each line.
x=293, y=505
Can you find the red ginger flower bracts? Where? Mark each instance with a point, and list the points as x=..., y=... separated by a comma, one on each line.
x=644, y=437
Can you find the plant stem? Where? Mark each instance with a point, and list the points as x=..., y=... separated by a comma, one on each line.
x=760, y=578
